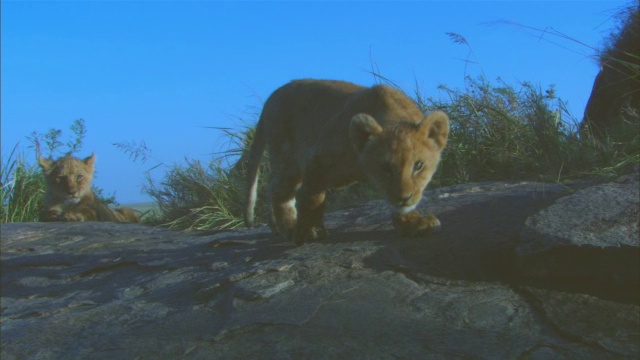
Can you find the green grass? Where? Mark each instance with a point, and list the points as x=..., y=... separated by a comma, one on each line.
x=197, y=197
x=22, y=187
x=505, y=132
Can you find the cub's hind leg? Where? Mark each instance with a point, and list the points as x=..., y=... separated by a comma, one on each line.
x=311, y=201
x=286, y=177
x=282, y=191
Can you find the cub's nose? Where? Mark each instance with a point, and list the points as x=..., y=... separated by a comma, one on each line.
x=404, y=200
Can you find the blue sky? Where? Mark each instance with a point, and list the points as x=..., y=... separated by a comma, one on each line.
x=162, y=72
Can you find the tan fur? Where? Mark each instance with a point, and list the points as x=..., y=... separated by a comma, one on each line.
x=68, y=195
x=323, y=134
x=414, y=224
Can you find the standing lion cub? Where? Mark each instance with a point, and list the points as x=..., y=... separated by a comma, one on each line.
x=323, y=134
x=68, y=195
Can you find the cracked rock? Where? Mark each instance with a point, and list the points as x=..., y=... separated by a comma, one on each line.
x=122, y=291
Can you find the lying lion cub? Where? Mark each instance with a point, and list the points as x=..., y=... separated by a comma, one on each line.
x=68, y=195
x=323, y=134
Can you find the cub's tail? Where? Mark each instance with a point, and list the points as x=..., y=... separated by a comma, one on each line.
x=255, y=158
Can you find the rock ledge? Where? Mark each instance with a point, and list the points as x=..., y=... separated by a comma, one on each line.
x=112, y=291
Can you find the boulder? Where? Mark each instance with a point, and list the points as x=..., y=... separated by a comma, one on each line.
x=588, y=241
x=613, y=109
x=113, y=291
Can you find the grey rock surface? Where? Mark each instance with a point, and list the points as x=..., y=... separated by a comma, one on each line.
x=591, y=235
x=116, y=291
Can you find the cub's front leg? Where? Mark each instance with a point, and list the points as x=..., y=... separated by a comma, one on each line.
x=310, y=225
x=80, y=214
x=52, y=214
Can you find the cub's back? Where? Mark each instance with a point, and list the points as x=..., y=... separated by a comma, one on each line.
x=304, y=105
x=309, y=100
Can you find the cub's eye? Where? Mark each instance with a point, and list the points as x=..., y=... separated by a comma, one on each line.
x=79, y=177
x=418, y=166
x=60, y=179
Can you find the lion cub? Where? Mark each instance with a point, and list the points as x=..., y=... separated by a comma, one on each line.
x=68, y=195
x=323, y=134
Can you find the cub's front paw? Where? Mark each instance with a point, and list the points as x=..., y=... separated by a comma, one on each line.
x=53, y=215
x=318, y=233
x=73, y=216
x=413, y=224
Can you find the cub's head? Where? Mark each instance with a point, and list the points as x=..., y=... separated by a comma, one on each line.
x=68, y=179
x=400, y=159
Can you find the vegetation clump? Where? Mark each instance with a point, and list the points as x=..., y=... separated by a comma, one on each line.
x=505, y=132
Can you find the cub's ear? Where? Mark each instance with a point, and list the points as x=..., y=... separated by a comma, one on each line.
x=436, y=126
x=91, y=160
x=45, y=164
x=361, y=129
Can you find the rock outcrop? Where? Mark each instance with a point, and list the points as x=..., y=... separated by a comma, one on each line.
x=613, y=109
x=472, y=290
x=588, y=241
